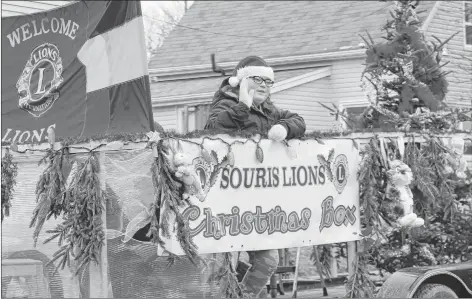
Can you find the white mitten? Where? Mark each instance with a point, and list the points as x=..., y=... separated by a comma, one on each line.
x=408, y=220
x=418, y=222
x=277, y=133
x=246, y=96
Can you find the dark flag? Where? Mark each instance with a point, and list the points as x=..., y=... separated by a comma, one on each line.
x=81, y=69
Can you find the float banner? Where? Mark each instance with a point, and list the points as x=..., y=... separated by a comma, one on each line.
x=81, y=69
x=303, y=195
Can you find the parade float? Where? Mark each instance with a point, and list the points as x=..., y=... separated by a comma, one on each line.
x=162, y=213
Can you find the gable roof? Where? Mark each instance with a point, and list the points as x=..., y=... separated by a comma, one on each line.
x=15, y=8
x=235, y=29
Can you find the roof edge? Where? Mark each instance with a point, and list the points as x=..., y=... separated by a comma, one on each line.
x=350, y=53
x=206, y=98
x=431, y=15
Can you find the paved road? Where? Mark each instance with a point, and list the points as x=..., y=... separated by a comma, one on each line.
x=333, y=292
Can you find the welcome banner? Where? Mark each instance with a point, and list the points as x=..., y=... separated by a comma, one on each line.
x=303, y=195
x=81, y=69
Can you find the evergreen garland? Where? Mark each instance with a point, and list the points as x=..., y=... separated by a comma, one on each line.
x=82, y=230
x=50, y=193
x=9, y=173
x=168, y=199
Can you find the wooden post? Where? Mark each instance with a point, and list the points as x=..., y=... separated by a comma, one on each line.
x=185, y=120
x=99, y=273
x=351, y=256
x=333, y=269
x=295, y=279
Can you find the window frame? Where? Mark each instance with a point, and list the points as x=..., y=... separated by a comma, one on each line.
x=466, y=24
x=352, y=103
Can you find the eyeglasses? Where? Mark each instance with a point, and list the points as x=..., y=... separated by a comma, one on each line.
x=259, y=80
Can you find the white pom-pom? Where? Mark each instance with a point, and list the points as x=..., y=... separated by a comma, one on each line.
x=233, y=81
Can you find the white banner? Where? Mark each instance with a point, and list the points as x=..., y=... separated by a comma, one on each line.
x=291, y=199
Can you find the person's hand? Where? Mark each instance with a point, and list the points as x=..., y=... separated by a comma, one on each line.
x=277, y=133
x=246, y=96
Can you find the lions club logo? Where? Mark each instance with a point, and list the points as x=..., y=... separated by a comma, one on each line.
x=340, y=172
x=38, y=83
x=203, y=169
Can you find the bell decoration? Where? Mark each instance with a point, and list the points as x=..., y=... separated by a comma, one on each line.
x=51, y=136
x=259, y=154
x=14, y=146
x=230, y=158
x=206, y=155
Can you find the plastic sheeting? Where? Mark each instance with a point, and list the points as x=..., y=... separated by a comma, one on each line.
x=134, y=269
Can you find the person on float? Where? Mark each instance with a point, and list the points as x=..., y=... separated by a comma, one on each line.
x=243, y=103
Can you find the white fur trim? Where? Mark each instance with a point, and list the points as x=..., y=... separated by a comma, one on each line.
x=262, y=71
x=234, y=81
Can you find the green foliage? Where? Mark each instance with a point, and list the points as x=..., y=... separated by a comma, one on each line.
x=406, y=73
x=50, y=191
x=9, y=173
x=81, y=234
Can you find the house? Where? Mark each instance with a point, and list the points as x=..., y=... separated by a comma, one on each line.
x=313, y=46
x=15, y=8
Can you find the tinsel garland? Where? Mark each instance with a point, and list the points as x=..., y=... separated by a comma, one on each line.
x=312, y=135
x=9, y=173
x=81, y=234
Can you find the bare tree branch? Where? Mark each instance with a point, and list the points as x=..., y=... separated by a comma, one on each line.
x=159, y=22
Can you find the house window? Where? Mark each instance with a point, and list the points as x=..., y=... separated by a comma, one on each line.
x=353, y=109
x=468, y=23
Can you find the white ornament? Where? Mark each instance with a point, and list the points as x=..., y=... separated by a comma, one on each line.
x=186, y=174
x=399, y=179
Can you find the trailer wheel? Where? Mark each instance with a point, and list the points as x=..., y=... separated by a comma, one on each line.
x=433, y=290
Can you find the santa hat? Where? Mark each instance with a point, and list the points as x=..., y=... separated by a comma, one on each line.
x=250, y=66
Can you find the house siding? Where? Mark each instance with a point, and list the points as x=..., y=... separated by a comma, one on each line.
x=449, y=19
x=303, y=99
x=14, y=8
x=346, y=81
x=166, y=117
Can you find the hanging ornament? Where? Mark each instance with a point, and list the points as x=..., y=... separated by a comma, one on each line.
x=14, y=146
x=230, y=158
x=206, y=155
x=259, y=154
x=51, y=136
x=214, y=158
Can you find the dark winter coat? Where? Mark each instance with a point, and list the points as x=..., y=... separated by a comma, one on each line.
x=228, y=113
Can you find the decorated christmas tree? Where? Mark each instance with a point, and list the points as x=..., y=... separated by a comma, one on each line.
x=406, y=87
x=404, y=78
